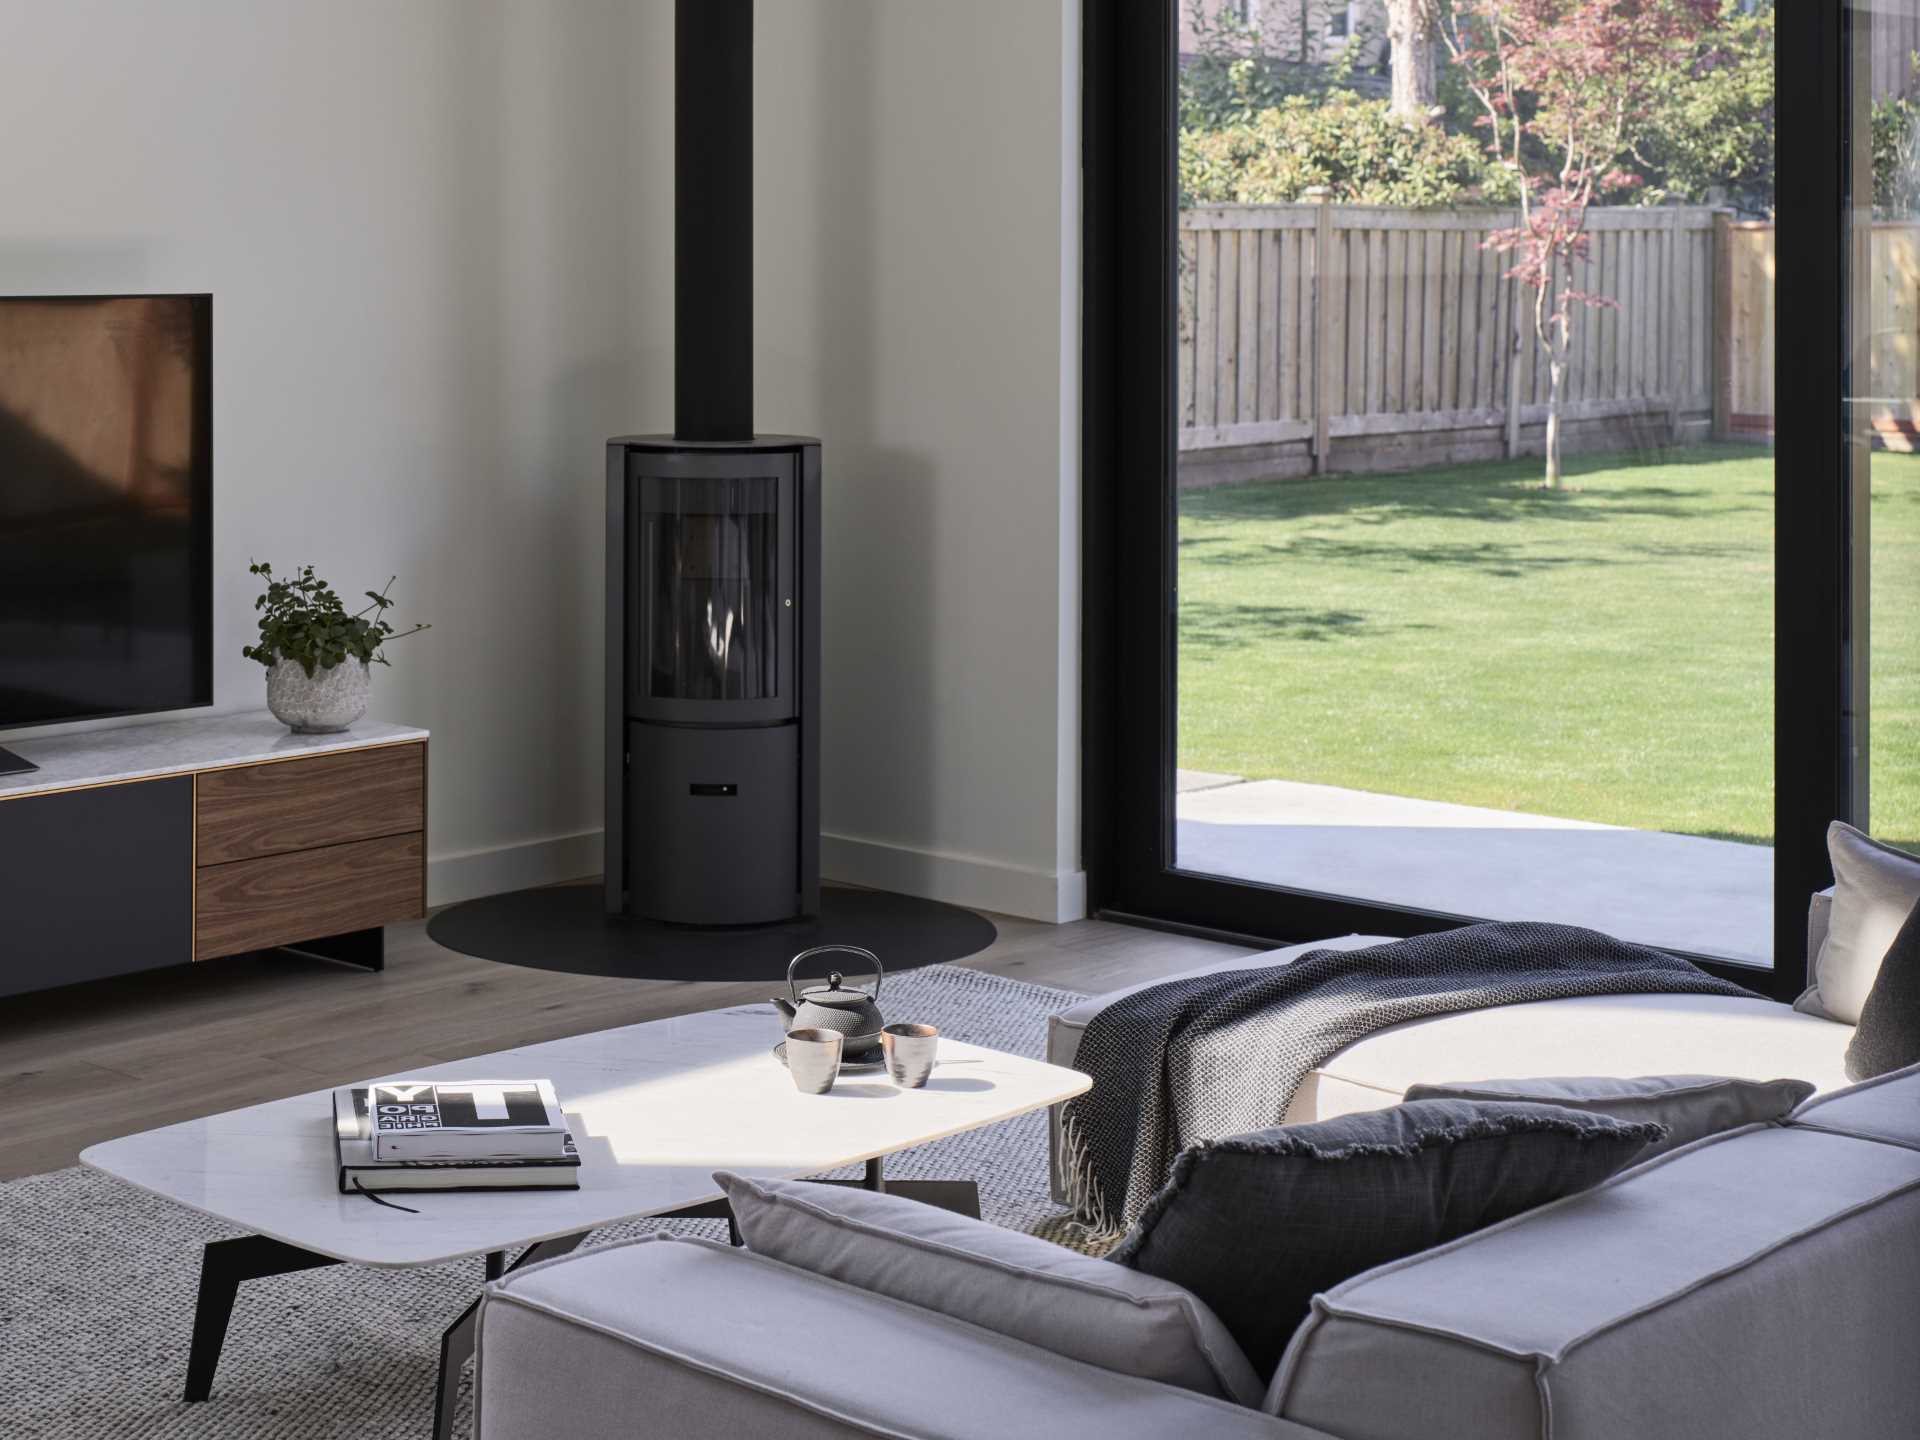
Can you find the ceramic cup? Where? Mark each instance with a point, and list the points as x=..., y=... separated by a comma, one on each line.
x=910, y=1050
x=813, y=1059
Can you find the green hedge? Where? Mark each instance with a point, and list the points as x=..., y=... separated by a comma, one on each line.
x=1350, y=145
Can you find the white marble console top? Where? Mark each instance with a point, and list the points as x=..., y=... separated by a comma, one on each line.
x=178, y=747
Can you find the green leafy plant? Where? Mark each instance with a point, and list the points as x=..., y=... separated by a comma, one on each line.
x=1355, y=147
x=302, y=620
x=1708, y=137
x=1896, y=152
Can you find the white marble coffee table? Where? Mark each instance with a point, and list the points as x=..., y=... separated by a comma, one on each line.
x=655, y=1110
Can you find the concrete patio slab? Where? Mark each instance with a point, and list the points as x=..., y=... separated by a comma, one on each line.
x=1683, y=892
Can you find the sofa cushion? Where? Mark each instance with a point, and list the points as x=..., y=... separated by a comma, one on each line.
x=1875, y=888
x=1759, y=1284
x=1257, y=1225
x=669, y=1336
x=1888, y=1036
x=1622, y=1035
x=1596, y=1035
x=1885, y=1109
x=1692, y=1107
x=1014, y=1284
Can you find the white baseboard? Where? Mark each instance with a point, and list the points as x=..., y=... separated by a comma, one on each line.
x=499, y=868
x=957, y=879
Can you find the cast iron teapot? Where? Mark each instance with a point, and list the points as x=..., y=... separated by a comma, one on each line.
x=834, y=1006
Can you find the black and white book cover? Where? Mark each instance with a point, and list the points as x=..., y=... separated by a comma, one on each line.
x=463, y=1120
x=360, y=1169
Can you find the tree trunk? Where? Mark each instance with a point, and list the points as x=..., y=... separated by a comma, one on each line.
x=1416, y=85
x=1556, y=373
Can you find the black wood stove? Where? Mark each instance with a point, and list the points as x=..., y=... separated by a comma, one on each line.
x=713, y=564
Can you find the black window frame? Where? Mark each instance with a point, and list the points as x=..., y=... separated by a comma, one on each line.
x=1129, y=99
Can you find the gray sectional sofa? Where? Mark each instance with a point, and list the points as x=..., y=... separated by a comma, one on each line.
x=1762, y=1284
x=1757, y=1285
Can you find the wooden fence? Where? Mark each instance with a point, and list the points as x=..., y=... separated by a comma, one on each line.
x=1743, y=405
x=1891, y=394
x=1335, y=337
x=1893, y=35
x=1893, y=355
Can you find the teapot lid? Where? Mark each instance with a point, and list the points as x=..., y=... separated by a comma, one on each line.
x=834, y=994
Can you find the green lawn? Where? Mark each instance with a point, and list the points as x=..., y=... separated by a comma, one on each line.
x=1603, y=653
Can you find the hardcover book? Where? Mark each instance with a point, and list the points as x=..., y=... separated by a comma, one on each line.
x=465, y=1120
x=359, y=1168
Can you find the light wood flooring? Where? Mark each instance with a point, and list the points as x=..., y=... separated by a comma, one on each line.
x=91, y=1062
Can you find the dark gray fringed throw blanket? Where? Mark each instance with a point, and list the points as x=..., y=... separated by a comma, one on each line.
x=1219, y=1055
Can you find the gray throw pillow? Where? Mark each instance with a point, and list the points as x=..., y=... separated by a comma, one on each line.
x=1690, y=1106
x=1259, y=1224
x=1874, y=888
x=1888, y=1036
x=1001, y=1280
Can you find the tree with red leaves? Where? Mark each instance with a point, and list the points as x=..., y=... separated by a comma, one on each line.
x=1563, y=85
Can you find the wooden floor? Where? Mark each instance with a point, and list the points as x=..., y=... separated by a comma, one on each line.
x=91, y=1062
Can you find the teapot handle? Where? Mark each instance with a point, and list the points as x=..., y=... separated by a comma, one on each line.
x=872, y=959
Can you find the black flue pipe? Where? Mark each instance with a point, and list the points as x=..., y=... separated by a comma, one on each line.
x=713, y=220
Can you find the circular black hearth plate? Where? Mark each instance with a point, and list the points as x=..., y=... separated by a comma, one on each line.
x=566, y=928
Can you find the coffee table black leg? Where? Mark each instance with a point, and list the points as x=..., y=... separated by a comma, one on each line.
x=456, y=1344
x=223, y=1268
x=960, y=1196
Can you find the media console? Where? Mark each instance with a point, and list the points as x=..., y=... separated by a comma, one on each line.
x=152, y=845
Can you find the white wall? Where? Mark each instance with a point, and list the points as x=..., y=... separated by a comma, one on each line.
x=917, y=178
x=438, y=239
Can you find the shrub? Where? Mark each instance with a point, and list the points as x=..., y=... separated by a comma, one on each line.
x=1708, y=138
x=1351, y=145
x=1896, y=156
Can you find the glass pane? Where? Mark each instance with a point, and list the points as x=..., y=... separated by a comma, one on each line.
x=1888, y=537
x=710, y=581
x=1418, y=662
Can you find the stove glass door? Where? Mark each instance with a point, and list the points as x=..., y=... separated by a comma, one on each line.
x=714, y=594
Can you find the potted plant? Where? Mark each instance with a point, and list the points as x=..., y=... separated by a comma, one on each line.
x=317, y=655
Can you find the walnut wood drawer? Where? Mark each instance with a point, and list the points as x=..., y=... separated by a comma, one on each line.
x=289, y=805
x=279, y=899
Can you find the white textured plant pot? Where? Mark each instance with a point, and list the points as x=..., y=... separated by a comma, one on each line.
x=332, y=699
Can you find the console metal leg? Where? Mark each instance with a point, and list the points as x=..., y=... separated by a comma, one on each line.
x=456, y=1344
x=223, y=1267
x=362, y=949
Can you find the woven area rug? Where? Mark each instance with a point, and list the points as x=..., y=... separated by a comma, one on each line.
x=96, y=1303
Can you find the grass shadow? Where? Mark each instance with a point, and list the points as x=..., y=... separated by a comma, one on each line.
x=1210, y=625
x=1496, y=492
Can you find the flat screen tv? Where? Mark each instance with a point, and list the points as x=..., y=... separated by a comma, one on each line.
x=106, y=506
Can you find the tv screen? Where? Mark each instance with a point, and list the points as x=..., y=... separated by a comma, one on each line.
x=106, y=506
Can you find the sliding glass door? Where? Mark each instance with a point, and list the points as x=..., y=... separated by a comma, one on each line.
x=1886, y=421
x=1457, y=548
